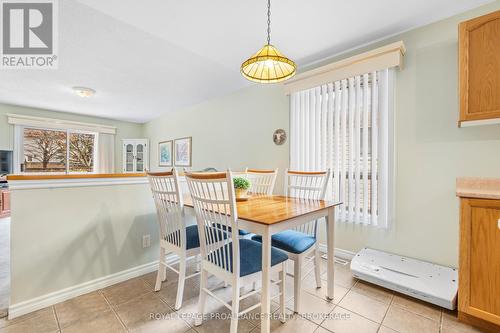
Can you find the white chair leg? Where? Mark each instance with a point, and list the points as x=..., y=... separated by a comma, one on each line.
x=297, y=283
x=180, y=283
x=161, y=266
x=282, y=277
x=235, y=308
x=317, y=265
x=254, y=286
x=202, y=298
x=164, y=268
x=198, y=263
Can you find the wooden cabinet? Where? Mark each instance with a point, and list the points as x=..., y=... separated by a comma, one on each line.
x=4, y=203
x=135, y=155
x=479, y=272
x=479, y=67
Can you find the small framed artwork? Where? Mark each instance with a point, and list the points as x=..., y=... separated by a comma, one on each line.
x=182, y=154
x=165, y=153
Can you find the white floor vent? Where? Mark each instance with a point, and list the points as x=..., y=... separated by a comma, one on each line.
x=428, y=282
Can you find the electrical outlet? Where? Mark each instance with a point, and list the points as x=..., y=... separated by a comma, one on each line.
x=146, y=241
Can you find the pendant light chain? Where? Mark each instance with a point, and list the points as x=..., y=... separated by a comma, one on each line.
x=268, y=22
x=268, y=65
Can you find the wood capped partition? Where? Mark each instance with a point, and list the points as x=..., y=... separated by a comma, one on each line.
x=479, y=67
x=74, y=176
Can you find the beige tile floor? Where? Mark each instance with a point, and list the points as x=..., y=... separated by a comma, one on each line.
x=358, y=307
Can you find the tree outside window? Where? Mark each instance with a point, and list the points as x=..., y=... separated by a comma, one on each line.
x=81, y=152
x=47, y=151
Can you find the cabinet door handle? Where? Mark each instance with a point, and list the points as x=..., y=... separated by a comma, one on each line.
x=498, y=223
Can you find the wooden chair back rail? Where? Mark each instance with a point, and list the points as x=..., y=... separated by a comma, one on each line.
x=310, y=186
x=169, y=206
x=262, y=181
x=206, y=175
x=215, y=207
x=306, y=173
x=260, y=171
x=160, y=174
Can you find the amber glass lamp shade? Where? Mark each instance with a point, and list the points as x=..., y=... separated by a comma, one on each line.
x=268, y=66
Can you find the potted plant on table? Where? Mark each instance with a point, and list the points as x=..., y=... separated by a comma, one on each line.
x=241, y=186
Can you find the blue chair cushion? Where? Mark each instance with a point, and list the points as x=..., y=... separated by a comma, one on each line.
x=290, y=240
x=243, y=232
x=250, y=256
x=193, y=238
x=240, y=231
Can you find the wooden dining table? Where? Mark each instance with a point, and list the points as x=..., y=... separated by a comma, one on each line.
x=267, y=215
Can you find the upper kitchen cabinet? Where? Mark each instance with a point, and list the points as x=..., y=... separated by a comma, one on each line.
x=479, y=65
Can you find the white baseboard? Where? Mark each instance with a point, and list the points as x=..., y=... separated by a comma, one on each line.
x=37, y=303
x=339, y=253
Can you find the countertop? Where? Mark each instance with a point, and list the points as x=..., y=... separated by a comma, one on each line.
x=476, y=187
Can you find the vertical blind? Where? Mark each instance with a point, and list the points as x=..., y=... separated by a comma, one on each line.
x=105, y=159
x=344, y=126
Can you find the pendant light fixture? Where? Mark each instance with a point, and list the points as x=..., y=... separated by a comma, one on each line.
x=268, y=65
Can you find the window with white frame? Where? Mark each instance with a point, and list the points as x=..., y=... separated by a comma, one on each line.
x=346, y=126
x=46, y=145
x=58, y=151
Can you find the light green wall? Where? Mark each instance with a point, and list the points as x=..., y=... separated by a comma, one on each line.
x=69, y=236
x=235, y=131
x=123, y=129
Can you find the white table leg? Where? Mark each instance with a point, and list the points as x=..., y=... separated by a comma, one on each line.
x=330, y=228
x=265, y=322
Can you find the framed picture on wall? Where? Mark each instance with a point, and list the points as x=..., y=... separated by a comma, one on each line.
x=165, y=154
x=182, y=154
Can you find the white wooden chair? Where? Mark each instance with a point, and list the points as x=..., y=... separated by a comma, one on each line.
x=300, y=242
x=175, y=236
x=262, y=180
x=224, y=254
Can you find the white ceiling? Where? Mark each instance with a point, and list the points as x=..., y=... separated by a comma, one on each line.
x=146, y=58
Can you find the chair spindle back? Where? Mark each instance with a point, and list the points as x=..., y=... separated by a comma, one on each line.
x=308, y=186
x=169, y=206
x=215, y=208
x=262, y=181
